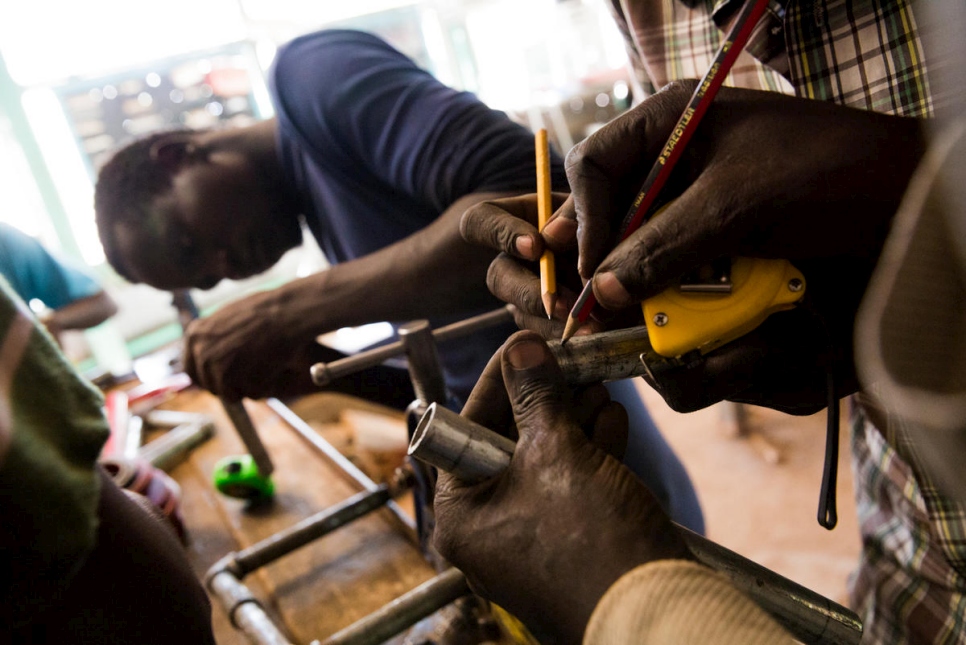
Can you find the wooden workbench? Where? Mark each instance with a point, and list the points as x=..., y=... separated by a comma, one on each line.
x=324, y=586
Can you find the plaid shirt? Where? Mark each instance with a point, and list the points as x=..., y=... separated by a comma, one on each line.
x=911, y=583
x=860, y=53
x=911, y=579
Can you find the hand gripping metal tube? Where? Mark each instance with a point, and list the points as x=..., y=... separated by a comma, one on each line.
x=473, y=453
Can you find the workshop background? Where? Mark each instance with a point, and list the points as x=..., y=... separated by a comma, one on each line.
x=76, y=79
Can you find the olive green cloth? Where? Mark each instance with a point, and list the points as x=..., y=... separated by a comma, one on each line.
x=52, y=428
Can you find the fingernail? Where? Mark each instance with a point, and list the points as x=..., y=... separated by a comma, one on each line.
x=524, y=245
x=560, y=229
x=610, y=292
x=526, y=354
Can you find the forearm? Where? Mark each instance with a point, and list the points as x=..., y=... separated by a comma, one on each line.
x=82, y=314
x=431, y=273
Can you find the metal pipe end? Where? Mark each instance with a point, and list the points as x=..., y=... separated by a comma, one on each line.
x=421, y=431
x=320, y=374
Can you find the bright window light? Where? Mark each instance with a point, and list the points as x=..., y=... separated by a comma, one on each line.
x=45, y=41
x=63, y=160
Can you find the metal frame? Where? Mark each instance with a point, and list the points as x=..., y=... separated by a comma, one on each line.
x=619, y=354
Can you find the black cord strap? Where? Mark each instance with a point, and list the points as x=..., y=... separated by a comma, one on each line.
x=827, y=515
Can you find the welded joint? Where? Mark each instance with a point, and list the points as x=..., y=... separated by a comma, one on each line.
x=233, y=595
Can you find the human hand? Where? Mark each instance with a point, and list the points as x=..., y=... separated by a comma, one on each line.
x=250, y=348
x=510, y=225
x=765, y=175
x=549, y=536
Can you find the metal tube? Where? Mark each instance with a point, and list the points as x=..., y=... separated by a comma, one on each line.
x=810, y=617
x=607, y=356
x=337, y=459
x=245, y=612
x=459, y=446
x=246, y=430
x=300, y=534
x=169, y=450
x=425, y=371
x=325, y=373
x=404, y=611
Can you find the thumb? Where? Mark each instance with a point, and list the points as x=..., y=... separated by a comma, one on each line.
x=540, y=399
x=687, y=233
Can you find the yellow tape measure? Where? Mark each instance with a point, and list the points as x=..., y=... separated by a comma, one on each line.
x=728, y=305
x=680, y=321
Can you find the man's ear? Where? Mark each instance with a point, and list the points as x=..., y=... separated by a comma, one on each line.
x=172, y=152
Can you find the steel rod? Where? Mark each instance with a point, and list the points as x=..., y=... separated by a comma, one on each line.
x=245, y=612
x=606, y=356
x=337, y=459
x=325, y=373
x=249, y=435
x=425, y=371
x=171, y=448
x=404, y=611
x=448, y=440
x=311, y=528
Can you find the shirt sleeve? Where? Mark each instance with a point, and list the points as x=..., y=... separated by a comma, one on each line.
x=365, y=107
x=52, y=429
x=34, y=273
x=675, y=602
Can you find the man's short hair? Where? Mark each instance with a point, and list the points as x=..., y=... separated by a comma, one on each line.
x=127, y=185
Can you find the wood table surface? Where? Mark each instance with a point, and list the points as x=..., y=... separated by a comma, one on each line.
x=326, y=585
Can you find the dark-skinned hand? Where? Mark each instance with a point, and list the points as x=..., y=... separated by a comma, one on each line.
x=252, y=348
x=546, y=538
x=765, y=175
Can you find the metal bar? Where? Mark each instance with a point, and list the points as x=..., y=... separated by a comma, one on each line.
x=404, y=611
x=245, y=612
x=249, y=435
x=300, y=534
x=809, y=616
x=187, y=312
x=607, y=356
x=338, y=460
x=168, y=450
x=425, y=371
x=325, y=373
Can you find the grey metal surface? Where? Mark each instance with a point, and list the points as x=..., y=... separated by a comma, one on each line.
x=246, y=614
x=246, y=431
x=425, y=370
x=170, y=449
x=311, y=528
x=404, y=611
x=455, y=444
x=607, y=356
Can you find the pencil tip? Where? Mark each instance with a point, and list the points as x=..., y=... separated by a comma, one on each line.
x=569, y=329
x=549, y=303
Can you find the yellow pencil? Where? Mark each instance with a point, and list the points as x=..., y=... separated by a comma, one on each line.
x=548, y=271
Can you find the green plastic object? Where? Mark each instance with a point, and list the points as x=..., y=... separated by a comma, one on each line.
x=238, y=476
